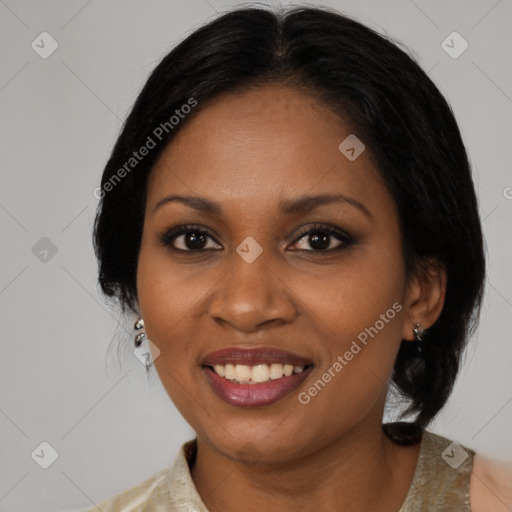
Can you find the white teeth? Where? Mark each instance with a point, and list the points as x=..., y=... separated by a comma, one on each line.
x=245, y=374
x=242, y=372
x=260, y=373
x=229, y=371
x=276, y=371
x=219, y=370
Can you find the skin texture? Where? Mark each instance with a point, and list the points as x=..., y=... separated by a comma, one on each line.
x=491, y=485
x=248, y=152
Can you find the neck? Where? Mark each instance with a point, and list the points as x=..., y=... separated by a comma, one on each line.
x=361, y=470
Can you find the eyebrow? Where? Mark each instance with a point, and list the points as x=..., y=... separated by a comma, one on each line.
x=301, y=204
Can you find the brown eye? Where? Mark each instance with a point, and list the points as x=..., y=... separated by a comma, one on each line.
x=187, y=239
x=323, y=239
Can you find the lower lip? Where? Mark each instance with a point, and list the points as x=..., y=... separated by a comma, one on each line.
x=254, y=395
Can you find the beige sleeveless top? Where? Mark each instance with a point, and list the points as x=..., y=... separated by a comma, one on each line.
x=440, y=483
x=442, y=476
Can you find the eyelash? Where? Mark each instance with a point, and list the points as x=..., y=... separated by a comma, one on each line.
x=168, y=236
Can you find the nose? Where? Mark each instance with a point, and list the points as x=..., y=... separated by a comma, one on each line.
x=252, y=296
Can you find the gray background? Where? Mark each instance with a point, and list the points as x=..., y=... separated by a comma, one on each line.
x=111, y=427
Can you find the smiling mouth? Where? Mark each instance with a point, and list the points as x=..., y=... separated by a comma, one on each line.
x=256, y=385
x=256, y=374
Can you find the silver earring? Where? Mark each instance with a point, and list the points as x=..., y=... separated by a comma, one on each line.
x=145, y=350
x=139, y=338
x=419, y=333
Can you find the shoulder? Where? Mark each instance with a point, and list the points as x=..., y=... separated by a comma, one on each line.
x=491, y=485
x=151, y=491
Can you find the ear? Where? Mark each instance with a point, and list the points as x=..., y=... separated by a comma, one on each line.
x=424, y=298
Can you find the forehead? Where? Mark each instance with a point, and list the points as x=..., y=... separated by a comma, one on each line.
x=259, y=146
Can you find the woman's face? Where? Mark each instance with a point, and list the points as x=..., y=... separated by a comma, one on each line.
x=267, y=282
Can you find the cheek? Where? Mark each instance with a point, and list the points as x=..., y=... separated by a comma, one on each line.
x=162, y=300
x=172, y=303
x=358, y=313
x=352, y=296
x=167, y=292
x=167, y=306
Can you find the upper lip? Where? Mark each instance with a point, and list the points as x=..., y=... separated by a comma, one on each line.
x=253, y=356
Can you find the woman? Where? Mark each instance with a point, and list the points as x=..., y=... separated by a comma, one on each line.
x=289, y=210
